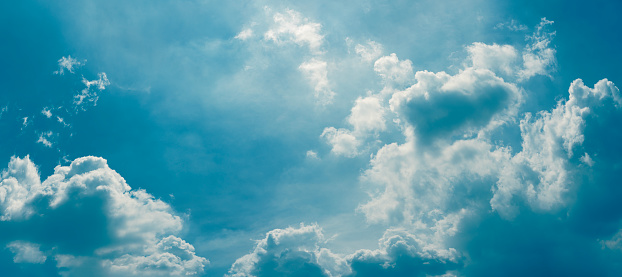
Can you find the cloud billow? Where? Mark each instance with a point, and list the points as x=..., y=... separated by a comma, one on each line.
x=87, y=219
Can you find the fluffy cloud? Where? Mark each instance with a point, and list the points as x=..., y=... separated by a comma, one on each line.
x=541, y=172
x=292, y=26
x=298, y=251
x=366, y=117
x=342, y=140
x=291, y=252
x=317, y=74
x=370, y=51
x=394, y=72
x=125, y=232
x=497, y=58
x=26, y=252
x=440, y=106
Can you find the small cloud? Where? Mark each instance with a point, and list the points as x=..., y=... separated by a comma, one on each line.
x=245, y=34
x=88, y=95
x=317, y=74
x=511, y=25
x=312, y=155
x=25, y=122
x=26, y=252
x=292, y=26
x=46, y=112
x=3, y=110
x=68, y=63
x=369, y=52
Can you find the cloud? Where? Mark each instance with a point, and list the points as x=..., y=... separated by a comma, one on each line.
x=26, y=252
x=342, y=140
x=291, y=26
x=44, y=138
x=497, y=58
x=370, y=51
x=393, y=71
x=124, y=232
x=317, y=74
x=542, y=173
x=511, y=25
x=367, y=115
x=291, y=252
x=46, y=112
x=404, y=254
x=244, y=34
x=298, y=251
x=538, y=57
x=68, y=63
x=89, y=96
x=440, y=106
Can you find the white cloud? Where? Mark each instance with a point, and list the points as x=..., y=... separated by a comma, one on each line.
x=541, y=172
x=440, y=106
x=312, y=155
x=343, y=141
x=393, y=71
x=292, y=26
x=367, y=115
x=289, y=252
x=244, y=34
x=44, y=138
x=68, y=63
x=46, y=112
x=26, y=252
x=497, y=58
x=316, y=72
x=369, y=52
x=141, y=237
x=88, y=95
x=25, y=122
x=538, y=56
x=511, y=25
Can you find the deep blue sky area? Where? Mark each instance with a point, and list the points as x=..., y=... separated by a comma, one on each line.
x=318, y=138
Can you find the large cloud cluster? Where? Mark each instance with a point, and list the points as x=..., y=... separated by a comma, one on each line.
x=453, y=171
x=86, y=216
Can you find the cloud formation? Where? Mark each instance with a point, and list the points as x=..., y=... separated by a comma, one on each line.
x=127, y=233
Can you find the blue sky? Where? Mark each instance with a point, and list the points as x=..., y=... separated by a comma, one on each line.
x=317, y=138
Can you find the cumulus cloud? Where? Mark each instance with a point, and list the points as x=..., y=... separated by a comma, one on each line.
x=316, y=72
x=26, y=252
x=342, y=140
x=393, y=71
x=68, y=63
x=439, y=105
x=126, y=232
x=541, y=172
x=298, y=251
x=291, y=26
x=291, y=252
x=370, y=51
x=497, y=58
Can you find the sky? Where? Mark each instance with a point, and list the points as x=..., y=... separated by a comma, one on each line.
x=310, y=138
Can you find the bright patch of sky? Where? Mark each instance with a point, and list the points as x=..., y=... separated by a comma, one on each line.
x=324, y=138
